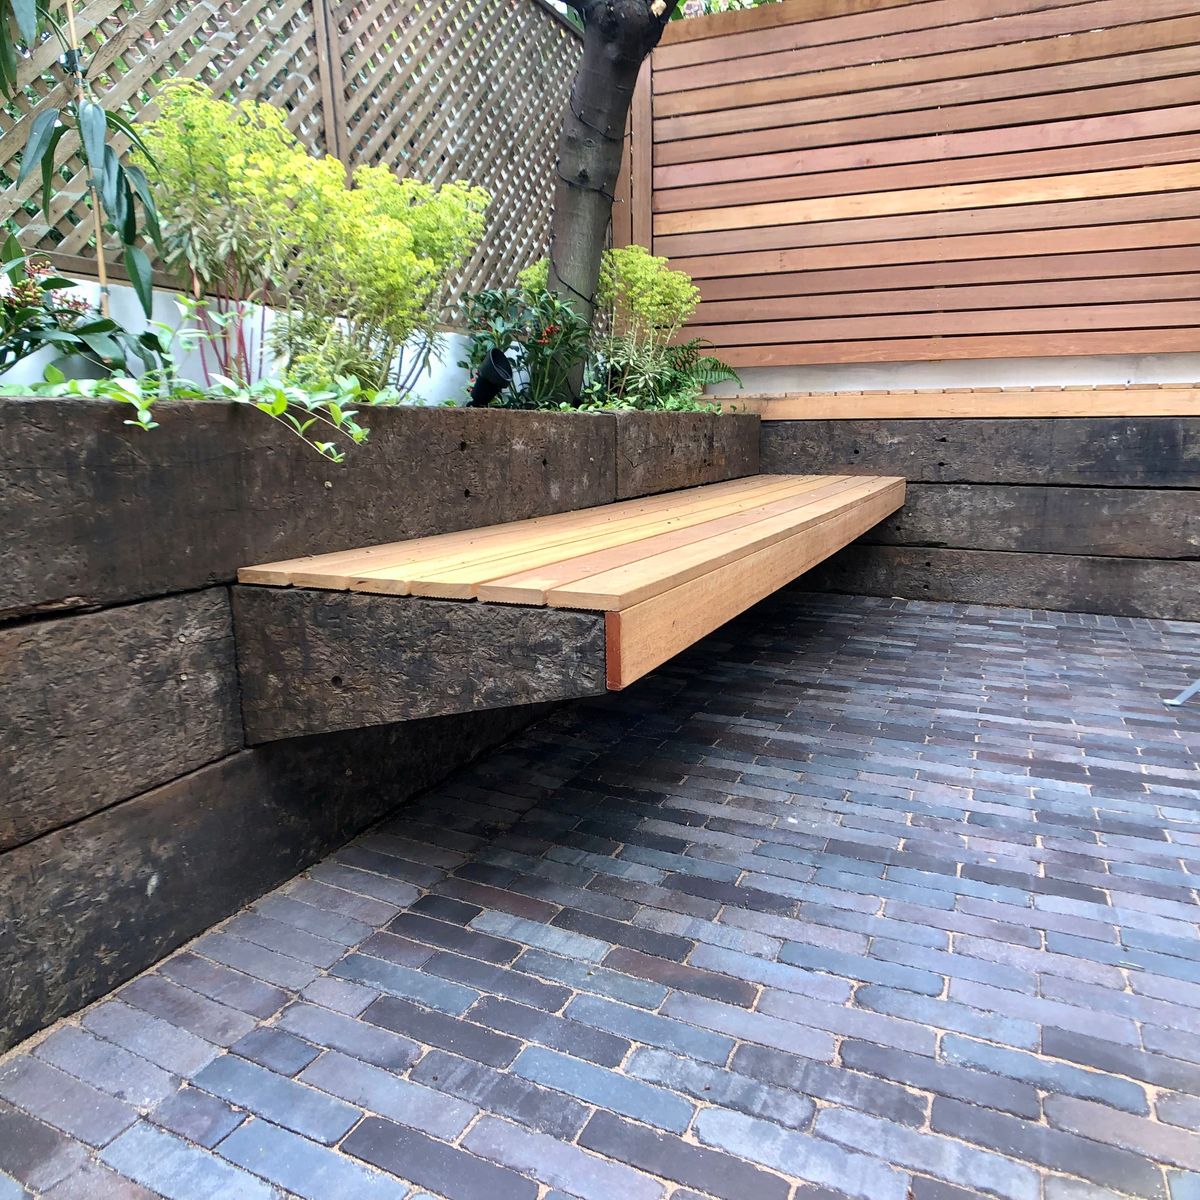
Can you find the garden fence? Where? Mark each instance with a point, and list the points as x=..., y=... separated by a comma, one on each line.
x=440, y=90
x=889, y=180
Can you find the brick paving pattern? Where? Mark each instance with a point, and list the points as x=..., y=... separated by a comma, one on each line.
x=860, y=898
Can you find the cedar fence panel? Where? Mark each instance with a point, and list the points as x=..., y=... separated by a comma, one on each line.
x=891, y=180
x=437, y=89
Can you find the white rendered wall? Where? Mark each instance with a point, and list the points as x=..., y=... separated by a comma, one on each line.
x=970, y=373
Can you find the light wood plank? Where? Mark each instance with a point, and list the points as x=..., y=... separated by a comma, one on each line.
x=625, y=586
x=647, y=634
x=534, y=586
x=287, y=571
x=1048, y=189
x=1167, y=401
x=458, y=577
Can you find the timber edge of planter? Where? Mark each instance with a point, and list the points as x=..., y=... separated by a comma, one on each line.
x=313, y=661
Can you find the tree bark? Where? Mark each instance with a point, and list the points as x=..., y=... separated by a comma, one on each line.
x=618, y=35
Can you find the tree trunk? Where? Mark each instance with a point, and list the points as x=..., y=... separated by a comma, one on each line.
x=618, y=35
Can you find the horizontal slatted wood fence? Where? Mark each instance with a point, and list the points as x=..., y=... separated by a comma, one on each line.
x=436, y=89
x=892, y=180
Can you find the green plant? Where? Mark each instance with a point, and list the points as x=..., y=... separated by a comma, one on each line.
x=542, y=337
x=324, y=418
x=642, y=303
x=116, y=187
x=38, y=310
x=251, y=218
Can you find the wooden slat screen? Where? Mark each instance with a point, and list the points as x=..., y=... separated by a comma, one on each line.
x=437, y=89
x=892, y=180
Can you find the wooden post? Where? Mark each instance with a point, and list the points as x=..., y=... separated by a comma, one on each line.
x=332, y=80
x=641, y=118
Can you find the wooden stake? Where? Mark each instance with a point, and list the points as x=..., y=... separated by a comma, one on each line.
x=97, y=222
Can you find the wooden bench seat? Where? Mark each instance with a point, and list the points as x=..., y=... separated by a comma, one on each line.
x=657, y=574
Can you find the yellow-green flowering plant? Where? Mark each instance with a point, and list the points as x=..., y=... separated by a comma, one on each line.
x=353, y=268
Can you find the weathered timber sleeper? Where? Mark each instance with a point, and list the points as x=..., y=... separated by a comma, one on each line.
x=552, y=608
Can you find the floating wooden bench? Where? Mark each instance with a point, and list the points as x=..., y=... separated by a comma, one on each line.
x=546, y=609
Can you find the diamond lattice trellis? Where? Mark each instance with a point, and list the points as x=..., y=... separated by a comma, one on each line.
x=472, y=90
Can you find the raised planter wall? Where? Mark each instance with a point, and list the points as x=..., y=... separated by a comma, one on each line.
x=1096, y=515
x=132, y=815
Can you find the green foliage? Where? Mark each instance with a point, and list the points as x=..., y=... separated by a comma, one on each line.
x=633, y=358
x=117, y=187
x=325, y=418
x=251, y=217
x=39, y=311
x=641, y=297
x=542, y=337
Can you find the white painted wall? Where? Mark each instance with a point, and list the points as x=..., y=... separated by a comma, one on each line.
x=968, y=373
x=443, y=380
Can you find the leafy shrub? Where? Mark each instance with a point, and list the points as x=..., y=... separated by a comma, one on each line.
x=633, y=360
x=251, y=218
x=541, y=336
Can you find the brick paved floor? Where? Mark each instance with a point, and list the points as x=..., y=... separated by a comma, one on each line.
x=860, y=898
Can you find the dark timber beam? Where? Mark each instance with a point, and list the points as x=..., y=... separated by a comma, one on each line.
x=314, y=661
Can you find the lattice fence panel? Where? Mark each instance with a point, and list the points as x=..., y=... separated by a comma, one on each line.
x=267, y=49
x=470, y=90
x=440, y=90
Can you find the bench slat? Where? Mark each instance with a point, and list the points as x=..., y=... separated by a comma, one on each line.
x=534, y=586
x=645, y=636
x=625, y=586
x=463, y=580
x=283, y=572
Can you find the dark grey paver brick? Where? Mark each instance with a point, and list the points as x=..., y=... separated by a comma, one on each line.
x=1049, y=1075
x=277, y=1099
x=168, y=1165
x=276, y=1050
x=560, y=1033
x=407, y=982
x=636, y=1025
x=718, y=1174
x=558, y=1164
x=797, y=1154
x=257, y=960
x=154, y=1039
x=714, y=1085
x=337, y=927
x=285, y=938
x=484, y=977
x=619, y=933
x=589, y=978
x=503, y=1093
x=364, y=883
x=917, y=1071
x=304, y=1169
x=429, y=1163
x=395, y=949
x=1157, y=1142
x=681, y=977
x=34, y=1154
x=545, y=937
x=339, y=994
x=63, y=1101
x=381, y=1092
x=447, y=936
x=1066, y=1152
x=106, y=1066
x=197, y=1116
x=835, y=1084
x=854, y=966
x=1121, y=1060
x=438, y=1029
x=604, y=1088
x=181, y=1007
x=94, y=1181
x=222, y=983
x=928, y=1153
x=355, y=1038
x=1177, y=1109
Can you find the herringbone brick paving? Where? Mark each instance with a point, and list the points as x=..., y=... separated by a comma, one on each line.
x=860, y=898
